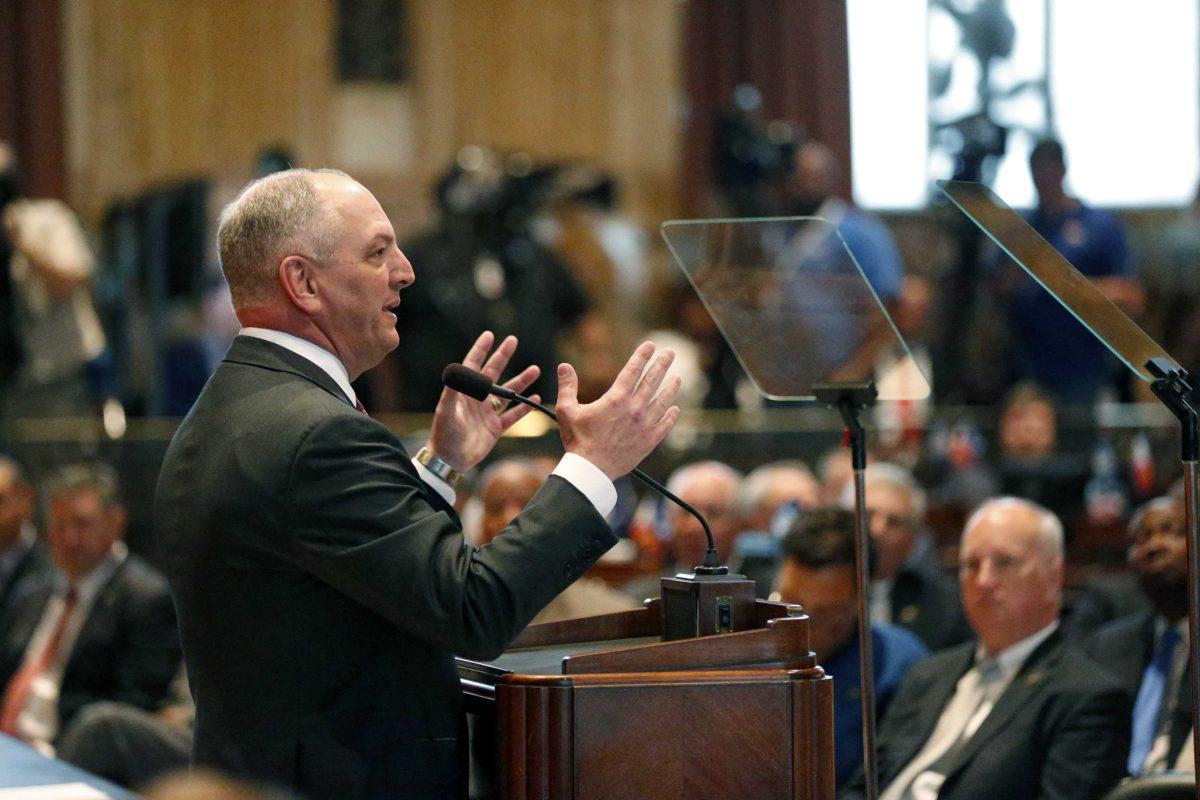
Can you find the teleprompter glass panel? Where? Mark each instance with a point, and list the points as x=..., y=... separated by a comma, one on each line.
x=794, y=304
x=1055, y=274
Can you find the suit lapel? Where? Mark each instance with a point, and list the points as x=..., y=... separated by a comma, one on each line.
x=255, y=352
x=1029, y=681
x=934, y=701
x=101, y=617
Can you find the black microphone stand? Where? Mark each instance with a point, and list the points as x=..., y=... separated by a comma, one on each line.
x=850, y=399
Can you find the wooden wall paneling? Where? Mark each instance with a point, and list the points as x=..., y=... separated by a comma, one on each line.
x=31, y=106
x=563, y=80
x=161, y=91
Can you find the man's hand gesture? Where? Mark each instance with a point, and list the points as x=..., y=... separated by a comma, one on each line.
x=620, y=429
x=465, y=430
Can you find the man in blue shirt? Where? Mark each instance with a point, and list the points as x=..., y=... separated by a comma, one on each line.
x=1049, y=345
x=811, y=191
x=818, y=573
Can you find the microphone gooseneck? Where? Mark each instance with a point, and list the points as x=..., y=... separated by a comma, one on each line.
x=477, y=385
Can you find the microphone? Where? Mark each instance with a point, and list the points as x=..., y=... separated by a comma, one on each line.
x=475, y=384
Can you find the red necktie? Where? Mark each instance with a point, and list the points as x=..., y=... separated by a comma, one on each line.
x=358, y=404
x=17, y=692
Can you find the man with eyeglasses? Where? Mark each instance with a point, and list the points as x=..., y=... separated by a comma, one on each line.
x=909, y=588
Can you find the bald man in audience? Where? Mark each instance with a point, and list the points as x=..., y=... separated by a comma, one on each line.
x=769, y=488
x=711, y=487
x=505, y=488
x=1015, y=715
x=769, y=499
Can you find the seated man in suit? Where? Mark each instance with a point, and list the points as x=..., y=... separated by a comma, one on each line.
x=1148, y=651
x=1016, y=715
x=103, y=629
x=909, y=588
x=818, y=573
x=24, y=562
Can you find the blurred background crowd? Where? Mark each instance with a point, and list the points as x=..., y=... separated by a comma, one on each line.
x=527, y=153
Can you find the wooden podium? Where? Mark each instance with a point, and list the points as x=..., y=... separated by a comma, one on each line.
x=600, y=707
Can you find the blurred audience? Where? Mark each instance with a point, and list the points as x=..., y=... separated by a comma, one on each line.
x=1017, y=714
x=811, y=190
x=1147, y=651
x=1050, y=346
x=24, y=562
x=55, y=360
x=129, y=745
x=1116, y=595
x=1028, y=461
x=818, y=572
x=836, y=470
x=908, y=587
x=482, y=268
x=771, y=487
x=711, y=487
x=769, y=499
x=505, y=488
x=102, y=629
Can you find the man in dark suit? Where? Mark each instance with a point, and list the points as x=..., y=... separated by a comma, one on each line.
x=102, y=629
x=909, y=589
x=1148, y=651
x=24, y=563
x=1015, y=716
x=322, y=579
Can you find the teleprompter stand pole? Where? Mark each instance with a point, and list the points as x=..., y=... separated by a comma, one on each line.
x=1172, y=385
x=849, y=400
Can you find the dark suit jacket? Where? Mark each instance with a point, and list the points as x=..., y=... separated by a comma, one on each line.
x=127, y=649
x=1060, y=730
x=925, y=601
x=323, y=589
x=1124, y=648
x=33, y=572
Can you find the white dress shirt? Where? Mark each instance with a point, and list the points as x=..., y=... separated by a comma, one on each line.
x=576, y=470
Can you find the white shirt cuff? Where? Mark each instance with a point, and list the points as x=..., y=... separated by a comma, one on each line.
x=587, y=478
x=436, y=483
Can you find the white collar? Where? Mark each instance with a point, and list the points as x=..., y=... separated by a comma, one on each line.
x=1011, y=658
x=327, y=361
